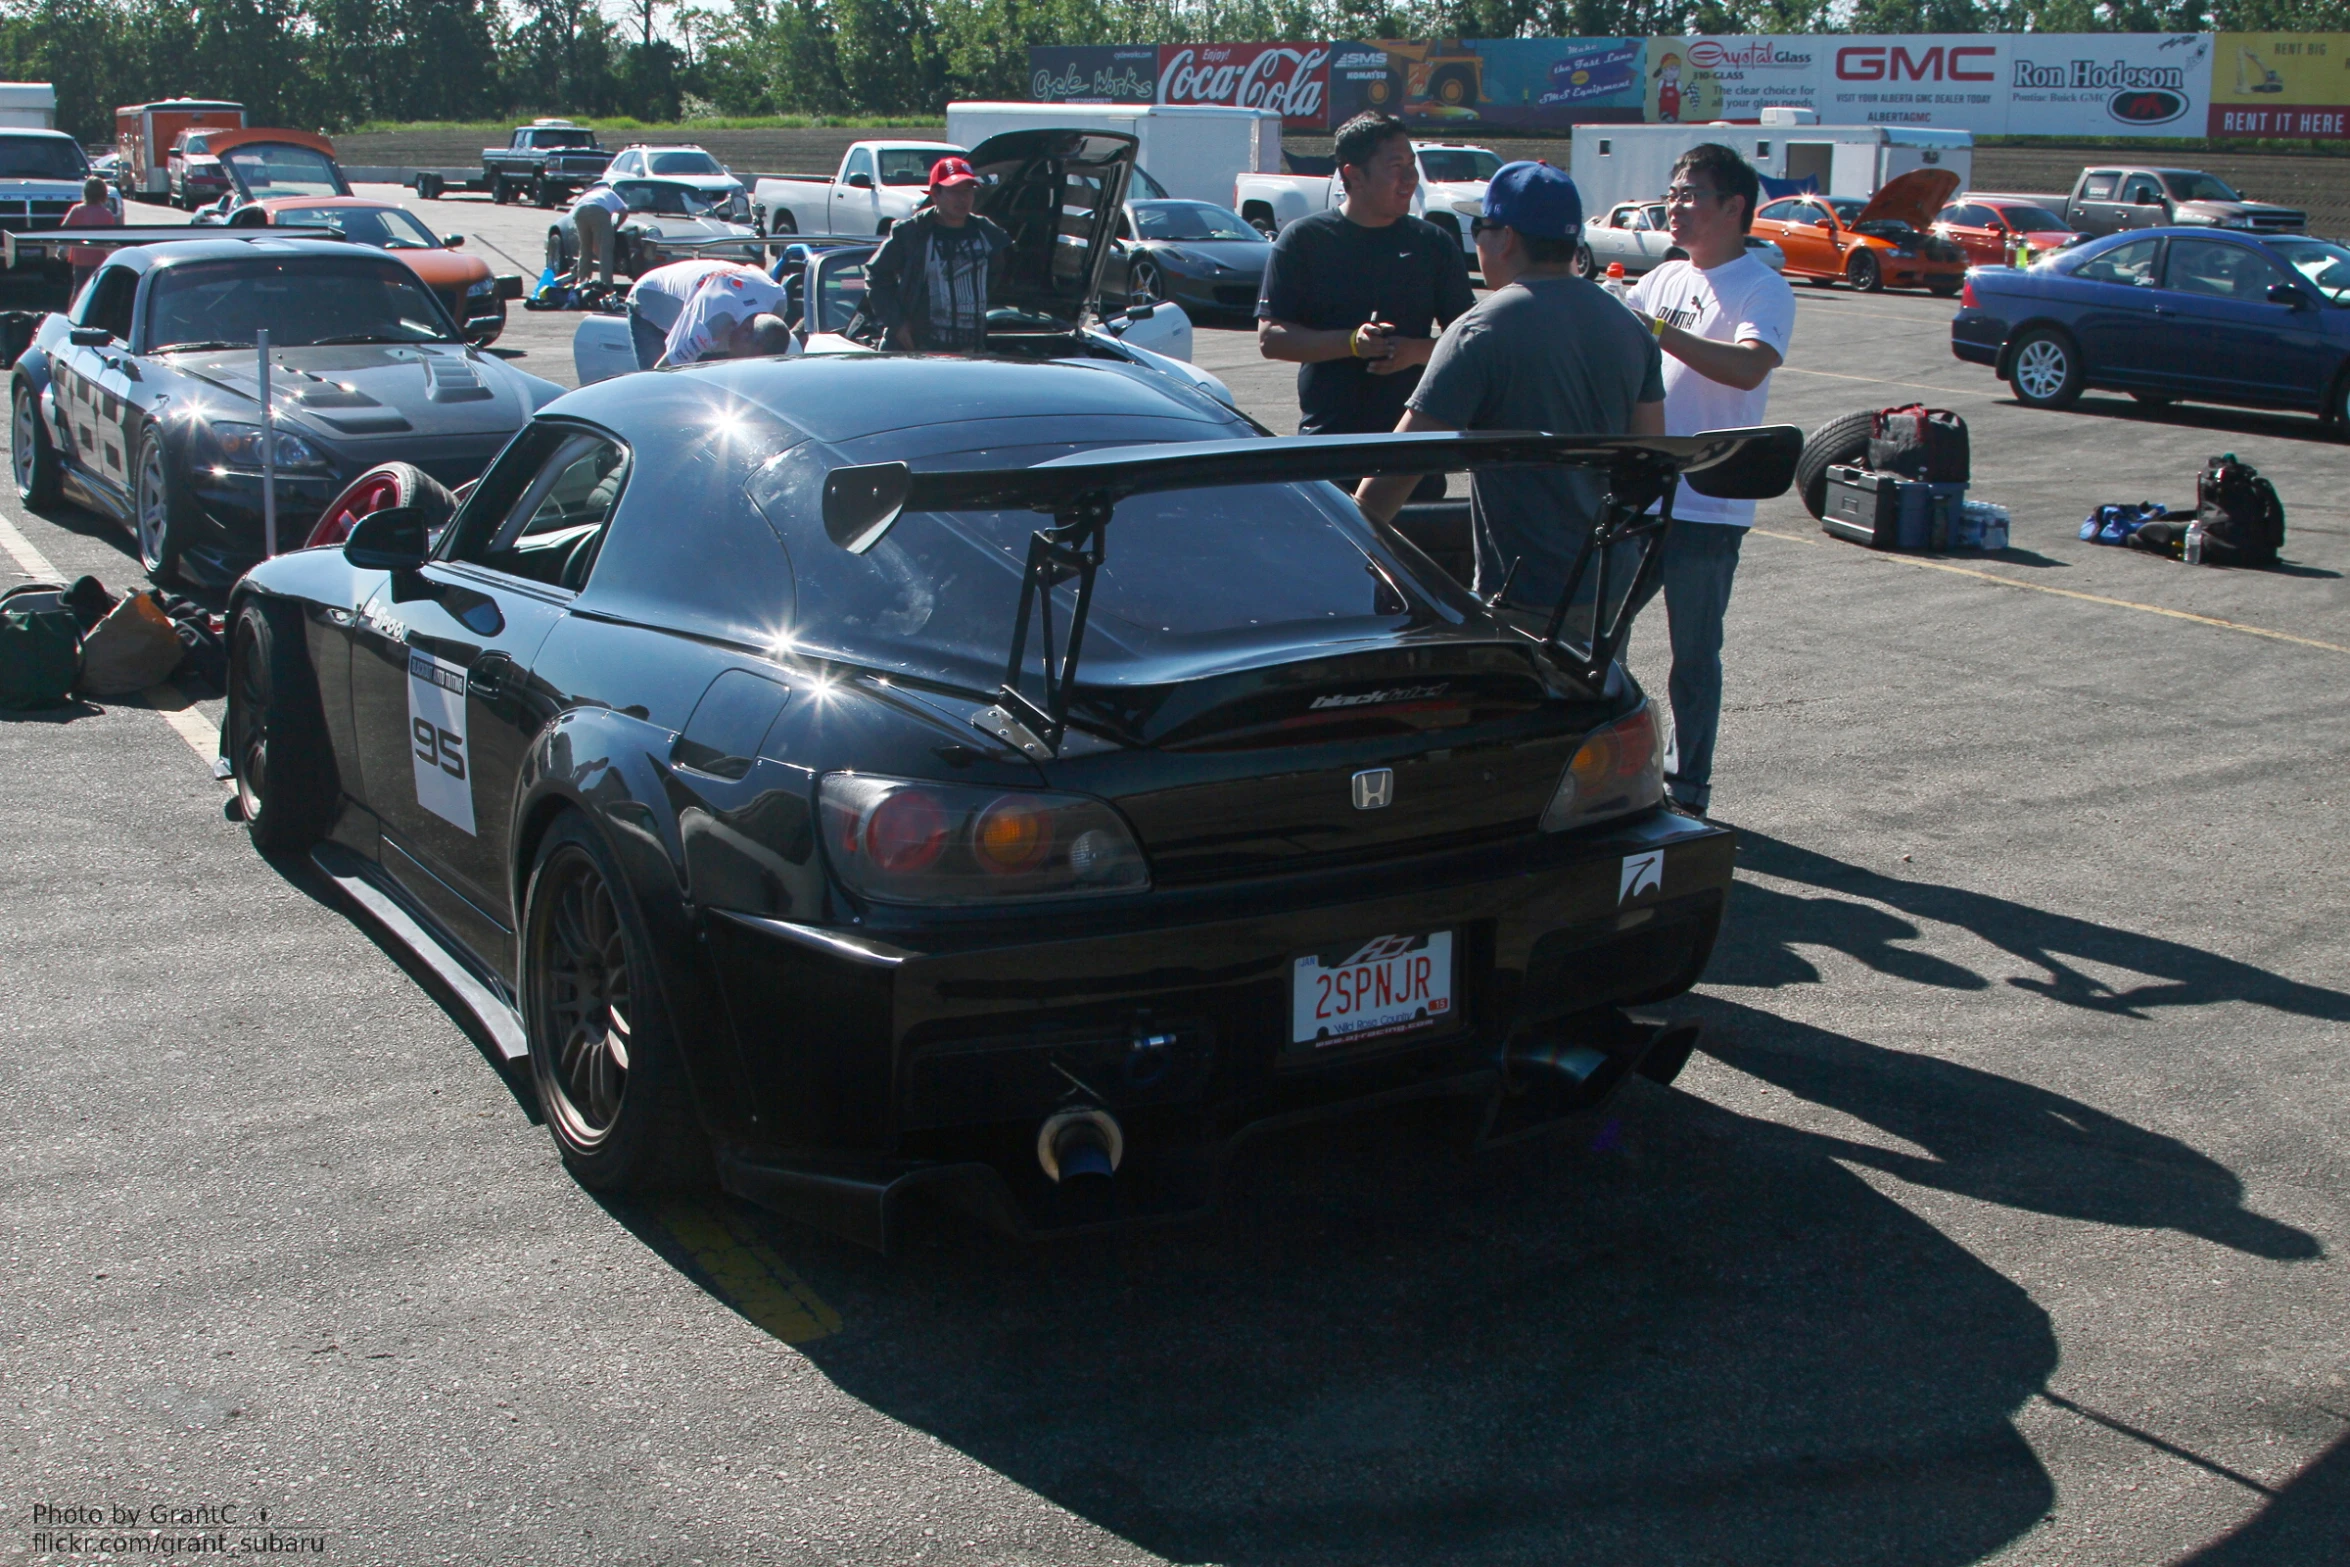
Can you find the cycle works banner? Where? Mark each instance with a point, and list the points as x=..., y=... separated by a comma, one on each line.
x=1104, y=73
x=2281, y=84
x=1457, y=85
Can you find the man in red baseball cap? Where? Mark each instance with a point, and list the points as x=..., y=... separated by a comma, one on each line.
x=928, y=284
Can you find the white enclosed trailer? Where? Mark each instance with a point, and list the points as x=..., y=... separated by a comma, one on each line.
x=1615, y=163
x=1192, y=150
x=28, y=106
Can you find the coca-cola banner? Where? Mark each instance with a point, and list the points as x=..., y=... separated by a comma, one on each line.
x=1293, y=78
x=1094, y=73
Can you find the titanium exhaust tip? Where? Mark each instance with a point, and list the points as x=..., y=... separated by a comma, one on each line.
x=1084, y=1142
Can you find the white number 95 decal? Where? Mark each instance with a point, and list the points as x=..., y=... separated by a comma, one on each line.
x=436, y=726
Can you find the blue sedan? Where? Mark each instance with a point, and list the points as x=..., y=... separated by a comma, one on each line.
x=2170, y=313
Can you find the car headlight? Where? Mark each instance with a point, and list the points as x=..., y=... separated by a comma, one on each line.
x=481, y=288
x=1616, y=771
x=898, y=840
x=2235, y=223
x=239, y=446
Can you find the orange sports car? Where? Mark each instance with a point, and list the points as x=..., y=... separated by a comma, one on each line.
x=1884, y=242
x=474, y=296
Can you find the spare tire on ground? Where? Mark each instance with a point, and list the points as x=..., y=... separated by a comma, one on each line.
x=384, y=485
x=1839, y=442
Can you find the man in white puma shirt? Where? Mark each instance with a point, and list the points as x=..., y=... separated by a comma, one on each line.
x=1724, y=321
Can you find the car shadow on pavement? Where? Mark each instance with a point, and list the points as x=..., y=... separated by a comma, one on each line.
x=1766, y=927
x=1995, y=1139
x=88, y=524
x=2307, y=1524
x=2214, y=418
x=1673, y=1335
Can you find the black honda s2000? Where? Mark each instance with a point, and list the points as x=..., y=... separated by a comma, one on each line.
x=1012, y=779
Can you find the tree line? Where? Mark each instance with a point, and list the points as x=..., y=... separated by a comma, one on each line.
x=332, y=64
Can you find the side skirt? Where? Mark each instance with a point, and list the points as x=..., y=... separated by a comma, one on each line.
x=391, y=909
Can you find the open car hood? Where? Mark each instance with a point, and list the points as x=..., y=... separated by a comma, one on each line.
x=1058, y=194
x=1911, y=198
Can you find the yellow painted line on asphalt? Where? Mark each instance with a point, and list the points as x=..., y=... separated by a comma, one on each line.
x=748, y=1276
x=2075, y=593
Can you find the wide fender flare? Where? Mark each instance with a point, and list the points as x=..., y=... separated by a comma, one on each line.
x=609, y=766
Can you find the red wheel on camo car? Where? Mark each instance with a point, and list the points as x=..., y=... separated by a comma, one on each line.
x=380, y=487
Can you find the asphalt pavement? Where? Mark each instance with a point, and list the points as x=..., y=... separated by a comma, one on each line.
x=2000, y=1218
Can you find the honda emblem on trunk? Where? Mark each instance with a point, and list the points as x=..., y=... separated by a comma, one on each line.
x=1374, y=787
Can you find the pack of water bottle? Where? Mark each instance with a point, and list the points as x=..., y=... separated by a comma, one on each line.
x=1979, y=525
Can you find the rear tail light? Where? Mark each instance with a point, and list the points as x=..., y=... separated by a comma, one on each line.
x=1966, y=295
x=896, y=840
x=1617, y=770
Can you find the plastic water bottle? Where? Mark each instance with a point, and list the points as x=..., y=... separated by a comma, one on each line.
x=1615, y=284
x=2193, y=551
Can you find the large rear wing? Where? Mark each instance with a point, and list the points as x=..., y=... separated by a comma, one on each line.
x=1082, y=491
x=52, y=244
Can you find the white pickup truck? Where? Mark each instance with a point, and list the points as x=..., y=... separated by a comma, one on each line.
x=1452, y=191
x=878, y=182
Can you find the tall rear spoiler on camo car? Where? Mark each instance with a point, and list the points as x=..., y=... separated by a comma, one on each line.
x=1081, y=492
x=50, y=244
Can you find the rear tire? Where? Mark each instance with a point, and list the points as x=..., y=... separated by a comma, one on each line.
x=34, y=458
x=498, y=189
x=602, y=1053
x=1586, y=264
x=1838, y=443
x=285, y=769
x=2045, y=370
x=1863, y=272
x=779, y=223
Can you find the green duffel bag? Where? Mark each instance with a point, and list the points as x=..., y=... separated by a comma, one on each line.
x=40, y=647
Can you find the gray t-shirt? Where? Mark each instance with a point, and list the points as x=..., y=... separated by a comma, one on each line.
x=1554, y=354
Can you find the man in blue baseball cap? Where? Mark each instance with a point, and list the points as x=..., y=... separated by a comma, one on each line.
x=1546, y=350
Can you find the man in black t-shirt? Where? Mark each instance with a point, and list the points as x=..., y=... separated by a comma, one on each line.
x=928, y=284
x=1354, y=296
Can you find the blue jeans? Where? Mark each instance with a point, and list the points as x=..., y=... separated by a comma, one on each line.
x=650, y=341
x=1698, y=562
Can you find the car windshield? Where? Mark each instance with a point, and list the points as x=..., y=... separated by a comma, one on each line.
x=1457, y=165
x=903, y=166
x=2325, y=265
x=1190, y=220
x=2198, y=187
x=675, y=201
x=389, y=228
x=1143, y=187
x=682, y=163
x=1185, y=572
x=2033, y=220
x=312, y=299
x=1654, y=217
x=1848, y=209
x=41, y=158
x=269, y=169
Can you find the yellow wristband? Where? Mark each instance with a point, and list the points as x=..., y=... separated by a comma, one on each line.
x=1354, y=343
x=1656, y=327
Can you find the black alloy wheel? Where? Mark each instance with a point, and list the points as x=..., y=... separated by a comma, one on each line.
x=1863, y=272
x=1145, y=284
x=34, y=459
x=2045, y=369
x=276, y=739
x=601, y=1051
